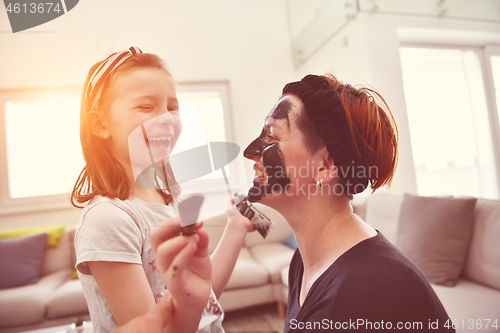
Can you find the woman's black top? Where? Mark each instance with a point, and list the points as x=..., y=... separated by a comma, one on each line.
x=371, y=287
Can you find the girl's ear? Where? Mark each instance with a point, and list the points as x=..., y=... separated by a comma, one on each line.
x=326, y=166
x=98, y=125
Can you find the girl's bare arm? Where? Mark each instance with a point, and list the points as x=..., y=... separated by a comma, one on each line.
x=227, y=251
x=125, y=288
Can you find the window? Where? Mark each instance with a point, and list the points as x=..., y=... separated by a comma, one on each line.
x=42, y=141
x=201, y=116
x=450, y=123
x=40, y=149
x=205, y=118
x=495, y=70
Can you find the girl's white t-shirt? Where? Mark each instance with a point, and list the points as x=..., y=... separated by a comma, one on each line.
x=118, y=231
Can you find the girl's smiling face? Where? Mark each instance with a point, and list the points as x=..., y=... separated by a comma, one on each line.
x=142, y=96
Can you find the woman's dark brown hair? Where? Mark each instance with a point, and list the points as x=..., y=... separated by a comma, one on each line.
x=372, y=127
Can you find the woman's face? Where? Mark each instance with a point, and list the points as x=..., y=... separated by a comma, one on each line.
x=147, y=97
x=283, y=163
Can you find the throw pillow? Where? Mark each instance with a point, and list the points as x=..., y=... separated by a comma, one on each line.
x=21, y=260
x=290, y=241
x=54, y=232
x=435, y=234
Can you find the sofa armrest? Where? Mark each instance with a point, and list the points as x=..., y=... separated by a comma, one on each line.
x=62, y=256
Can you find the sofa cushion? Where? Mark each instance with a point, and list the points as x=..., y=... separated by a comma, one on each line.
x=482, y=263
x=60, y=257
x=215, y=228
x=382, y=213
x=435, y=233
x=470, y=300
x=273, y=257
x=236, y=299
x=281, y=289
x=358, y=204
x=280, y=231
x=26, y=305
x=284, y=275
x=54, y=233
x=67, y=300
x=21, y=260
x=247, y=272
x=291, y=242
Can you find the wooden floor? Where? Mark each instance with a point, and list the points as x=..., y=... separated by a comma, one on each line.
x=261, y=318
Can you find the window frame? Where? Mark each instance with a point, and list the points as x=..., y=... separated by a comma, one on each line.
x=491, y=102
x=483, y=52
x=236, y=175
x=14, y=206
x=17, y=206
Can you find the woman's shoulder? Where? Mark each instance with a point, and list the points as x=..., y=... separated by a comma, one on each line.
x=374, y=259
x=373, y=248
x=378, y=255
x=388, y=282
x=380, y=263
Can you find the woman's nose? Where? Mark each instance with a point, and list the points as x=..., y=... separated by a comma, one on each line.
x=254, y=149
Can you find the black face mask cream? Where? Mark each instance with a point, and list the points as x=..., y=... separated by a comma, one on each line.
x=271, y=156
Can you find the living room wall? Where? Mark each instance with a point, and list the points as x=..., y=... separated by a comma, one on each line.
x=243, y=42
x=246, y=43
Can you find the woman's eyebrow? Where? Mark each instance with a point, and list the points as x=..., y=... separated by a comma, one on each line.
x=281, y=110
x=275, y=123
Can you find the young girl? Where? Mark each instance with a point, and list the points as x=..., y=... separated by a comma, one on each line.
x=115, y=262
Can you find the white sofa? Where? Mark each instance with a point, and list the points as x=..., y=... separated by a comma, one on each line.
x=476, y=296
x=475, y=299
x=58, y=300
x=54, y=300
x=256, y=278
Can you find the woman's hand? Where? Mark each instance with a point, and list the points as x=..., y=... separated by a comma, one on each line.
x=185, y=268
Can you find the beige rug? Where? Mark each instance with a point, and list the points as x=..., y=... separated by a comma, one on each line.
x=261, y=319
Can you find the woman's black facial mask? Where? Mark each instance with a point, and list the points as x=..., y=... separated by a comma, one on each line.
x=271, y=156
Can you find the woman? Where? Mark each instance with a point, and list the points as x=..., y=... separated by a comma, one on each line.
x=344, y=274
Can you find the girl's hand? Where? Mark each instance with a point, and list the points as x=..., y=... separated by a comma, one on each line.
x=236, y=220
x=184, y=264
